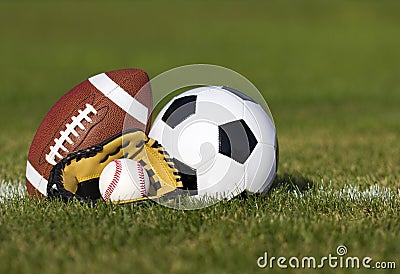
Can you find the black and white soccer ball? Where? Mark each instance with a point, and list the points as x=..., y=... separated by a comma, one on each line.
x=221, y=141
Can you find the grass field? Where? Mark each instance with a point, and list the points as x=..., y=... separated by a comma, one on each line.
x=330, y=73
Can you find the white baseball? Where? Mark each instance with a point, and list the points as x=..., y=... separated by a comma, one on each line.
x=122, y=180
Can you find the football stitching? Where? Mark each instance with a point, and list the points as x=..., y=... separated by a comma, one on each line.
x=70, y=129
x=101, y=115
x=90, y=100
x=117, y=175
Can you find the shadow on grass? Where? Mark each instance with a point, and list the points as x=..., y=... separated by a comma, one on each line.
x=290, y=182
x=296, y=182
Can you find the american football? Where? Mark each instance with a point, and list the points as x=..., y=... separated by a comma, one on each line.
x=88, y=114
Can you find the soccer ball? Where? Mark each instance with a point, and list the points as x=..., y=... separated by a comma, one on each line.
x=221, y=141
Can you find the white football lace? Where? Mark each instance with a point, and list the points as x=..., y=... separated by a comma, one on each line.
x=70, y=129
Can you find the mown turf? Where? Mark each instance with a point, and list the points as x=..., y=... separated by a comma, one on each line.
x=329, y=72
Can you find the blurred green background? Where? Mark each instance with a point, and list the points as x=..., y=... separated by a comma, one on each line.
x=329, y=71
x=323, y=67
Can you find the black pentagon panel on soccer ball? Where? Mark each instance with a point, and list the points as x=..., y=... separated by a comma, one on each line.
x=188, y=176
x=236, y=140
x=180, y=110
x=238, y=94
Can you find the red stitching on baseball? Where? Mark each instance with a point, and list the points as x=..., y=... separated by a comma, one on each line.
x=142, y=183
x=117, y=175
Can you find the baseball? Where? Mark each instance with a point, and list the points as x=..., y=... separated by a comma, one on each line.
x=123, y=180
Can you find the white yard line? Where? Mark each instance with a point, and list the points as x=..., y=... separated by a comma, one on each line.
x=371, y=193
x=11, y=190
x=353, y=193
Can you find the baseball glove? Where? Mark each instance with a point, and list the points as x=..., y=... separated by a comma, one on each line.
x=77, y=175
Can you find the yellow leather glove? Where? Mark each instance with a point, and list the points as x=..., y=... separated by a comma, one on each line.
x=77, y=175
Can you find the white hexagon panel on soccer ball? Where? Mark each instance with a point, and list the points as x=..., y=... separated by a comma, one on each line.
x=260, y=168
x=195, y=91
x=226, y=107
x=163, y=134
x=221, y=178
x=270, y=179
x=259, y=122
x=196, y=142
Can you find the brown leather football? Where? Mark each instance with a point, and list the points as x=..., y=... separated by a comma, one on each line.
x=93, y=111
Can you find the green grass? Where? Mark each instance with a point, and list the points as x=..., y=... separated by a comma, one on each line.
x=329, y=72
